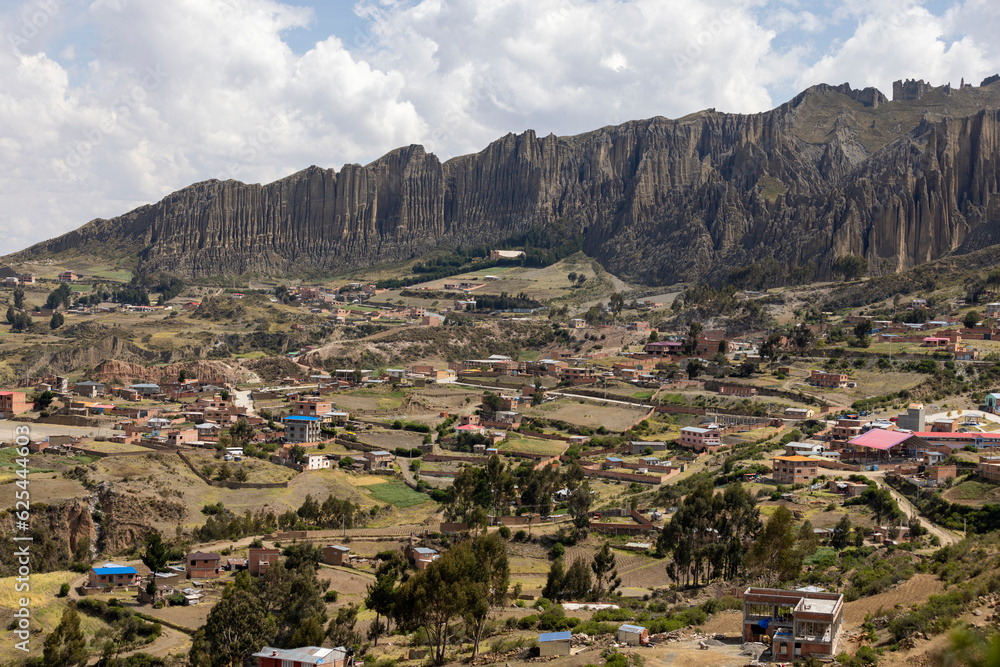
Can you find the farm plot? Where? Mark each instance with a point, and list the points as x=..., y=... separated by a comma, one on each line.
x=590, y=414
x=397, y=494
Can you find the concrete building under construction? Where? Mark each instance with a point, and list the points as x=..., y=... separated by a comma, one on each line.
x=797, y=623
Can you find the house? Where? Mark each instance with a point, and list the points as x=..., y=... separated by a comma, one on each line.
x=804, y=449
x=663, y=348
x=336, y=554
x=913, y=419
x=799, y=624
x=13, y=403
x=421, y=557
x=182, y=437
x=68, y=277
x=306, y=656
x=991, y=402
x=145, y=389
x=315, y=462
x=577, y=323
x=828, y=380
x=432, y=320
x=554, y=643
x=989, y=468
x=89, y=389
x=794, y=469
x=640, y=446
x=336, y=417
x=633, y=635
x=378, y=460
x=700, y=439
x=202, y=565
x=111, y=575
x=311, y=406
x=259, y=560
x=799, y=413
x=301, y=429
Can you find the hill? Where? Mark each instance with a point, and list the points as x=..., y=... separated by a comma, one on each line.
x=834, y=171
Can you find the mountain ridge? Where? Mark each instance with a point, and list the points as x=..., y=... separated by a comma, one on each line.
x=833, y=171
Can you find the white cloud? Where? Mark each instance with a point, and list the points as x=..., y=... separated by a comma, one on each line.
x=108, y=107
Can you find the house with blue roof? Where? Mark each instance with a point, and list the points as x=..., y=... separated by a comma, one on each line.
x=554, y=643
x=301, y=429
x=111, y=575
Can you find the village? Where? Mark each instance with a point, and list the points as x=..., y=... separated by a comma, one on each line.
x=587, y=454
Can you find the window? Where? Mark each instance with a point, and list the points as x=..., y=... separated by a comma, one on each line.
x=287, y=663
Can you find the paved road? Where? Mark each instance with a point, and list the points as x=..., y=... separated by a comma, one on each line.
x=242, y=399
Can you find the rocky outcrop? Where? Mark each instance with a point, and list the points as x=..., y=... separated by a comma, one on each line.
x=833, y=171
x=129, y=517
x=113, y=370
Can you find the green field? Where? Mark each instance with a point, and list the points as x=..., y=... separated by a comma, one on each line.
x=397, y=494
x=533, y=446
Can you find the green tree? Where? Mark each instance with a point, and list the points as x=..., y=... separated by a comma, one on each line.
x=66, y=645
x=57, y=320
x=11, y=315
x=579, y=506
x=236, y=628
x=850, y=267
x=605, y=570
x=577, y=583
x=616, y=303
x=773, y=557
x=553, y=588
x=487, y=581
x=694, y=368
x=19, y=297
x=841, y=533
x=969, y=647
x=971, y=319
x=155, y=558
x=241, y=433
x=381, y=599
x=654, y=337
x=342, y=628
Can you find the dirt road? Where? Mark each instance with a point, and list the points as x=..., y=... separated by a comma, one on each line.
x=946, y=536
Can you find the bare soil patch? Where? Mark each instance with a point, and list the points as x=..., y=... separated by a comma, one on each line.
x=915, y=590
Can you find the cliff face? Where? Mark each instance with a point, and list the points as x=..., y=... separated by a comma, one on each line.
x=833, y=171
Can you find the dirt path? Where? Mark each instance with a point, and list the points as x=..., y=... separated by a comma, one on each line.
x=946, y=536
x=242, y=399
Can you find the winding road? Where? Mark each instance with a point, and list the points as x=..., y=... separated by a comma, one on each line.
x=946, y=536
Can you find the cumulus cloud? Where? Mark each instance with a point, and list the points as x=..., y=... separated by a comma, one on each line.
x=111, y=104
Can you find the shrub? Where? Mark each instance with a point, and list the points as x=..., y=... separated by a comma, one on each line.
x=557, y=551
x=64, y=590
x=330, y=596
x=505, y=532
x=527, y=622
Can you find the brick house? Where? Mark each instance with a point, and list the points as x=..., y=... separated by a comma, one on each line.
x=378, y=460
x=336, y=554
x=111, y=575
x=828, y=380
x=795, y=469
x=700, y=439
x=312, y=407
x=68, y=277
x=202, y=565
x=182, y=437
x=259, y=560
x=13, y=403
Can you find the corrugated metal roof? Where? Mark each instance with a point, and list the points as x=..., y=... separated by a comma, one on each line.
x=631, y=628
x=555, y=636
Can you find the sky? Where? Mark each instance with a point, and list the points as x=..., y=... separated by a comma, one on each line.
x=106, y=105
